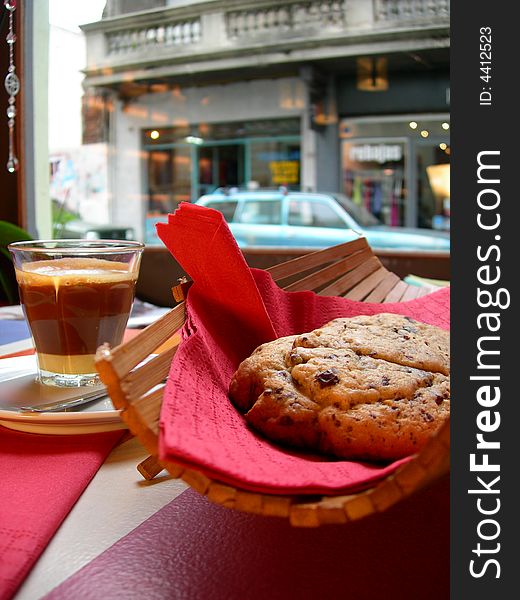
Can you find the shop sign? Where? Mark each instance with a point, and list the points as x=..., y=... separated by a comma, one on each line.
x=380, y=153
x=285, y=171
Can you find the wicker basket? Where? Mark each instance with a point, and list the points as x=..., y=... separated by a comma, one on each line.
x=350, y=270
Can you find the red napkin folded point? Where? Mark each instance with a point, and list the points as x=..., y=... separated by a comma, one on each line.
x=41, y=477
x=231, y=310
x=202, y=243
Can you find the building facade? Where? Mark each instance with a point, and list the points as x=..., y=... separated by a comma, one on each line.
x=347, y=96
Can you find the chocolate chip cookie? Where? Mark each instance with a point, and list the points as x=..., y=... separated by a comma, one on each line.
x=393, y=338
x=367, y=387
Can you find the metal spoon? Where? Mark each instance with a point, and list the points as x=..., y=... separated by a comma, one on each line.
x=60, y=405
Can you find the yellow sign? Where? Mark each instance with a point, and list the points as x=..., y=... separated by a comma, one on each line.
x=285, y=171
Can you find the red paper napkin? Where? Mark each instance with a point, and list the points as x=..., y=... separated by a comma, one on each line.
x=232, y=309
x=41, y=478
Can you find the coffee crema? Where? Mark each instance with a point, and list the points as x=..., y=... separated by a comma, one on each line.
x=73, y=305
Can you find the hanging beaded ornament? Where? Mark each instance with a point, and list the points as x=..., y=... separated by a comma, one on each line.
x=12, y=87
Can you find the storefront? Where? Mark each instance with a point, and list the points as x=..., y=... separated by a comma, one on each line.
x=183, y=163
x=398, y=168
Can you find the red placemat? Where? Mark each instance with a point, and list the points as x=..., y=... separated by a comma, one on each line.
x=232, y=309
x=42, y=476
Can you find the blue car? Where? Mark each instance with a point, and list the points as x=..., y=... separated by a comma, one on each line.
x=308, y=220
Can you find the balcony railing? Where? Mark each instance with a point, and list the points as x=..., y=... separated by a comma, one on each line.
x=174, y=33
x=410, y=10
x=285, y=17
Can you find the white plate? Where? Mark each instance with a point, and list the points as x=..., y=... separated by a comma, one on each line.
x=18, y=387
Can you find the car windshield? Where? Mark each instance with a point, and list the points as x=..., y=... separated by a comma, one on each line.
x=357, y=211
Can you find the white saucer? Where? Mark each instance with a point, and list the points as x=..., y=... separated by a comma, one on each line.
x=18, y=387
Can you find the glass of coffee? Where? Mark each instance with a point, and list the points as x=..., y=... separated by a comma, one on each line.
x=76, y=295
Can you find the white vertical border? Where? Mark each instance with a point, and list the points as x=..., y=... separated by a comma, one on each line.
x=35, y=98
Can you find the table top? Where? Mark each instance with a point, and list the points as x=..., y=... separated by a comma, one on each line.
x=188, y=547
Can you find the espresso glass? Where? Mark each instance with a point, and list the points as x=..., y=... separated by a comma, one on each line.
x=76, y=295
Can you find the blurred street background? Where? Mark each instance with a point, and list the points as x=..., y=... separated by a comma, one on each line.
x=156, y=102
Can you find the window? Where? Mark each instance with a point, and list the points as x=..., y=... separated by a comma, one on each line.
x=261, y=212
x=374, y=177
x=388, y=166
x=168, y=179
x=309, y=213
x=226, y=208
x=263, y=153
x=275, y=163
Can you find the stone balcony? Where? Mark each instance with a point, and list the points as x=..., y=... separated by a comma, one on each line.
x=201, y=37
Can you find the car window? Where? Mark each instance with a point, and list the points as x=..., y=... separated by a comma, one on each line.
x=357, y=211
x=309, y=213
x=226, y=208
x=261, y=212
